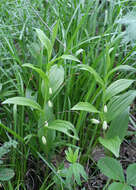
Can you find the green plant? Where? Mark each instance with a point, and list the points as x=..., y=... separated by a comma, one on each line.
x=42, y=80
x=113, y=108
x=50, y=80
x=73, y=172
x=113, y=170
x=6, y=173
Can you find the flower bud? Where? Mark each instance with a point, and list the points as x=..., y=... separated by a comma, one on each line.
x=50, y=104
x=105, y=109
x=50, y=91
x=104, y=126
x=43, y=139
x=95, y=121
x=46, y=123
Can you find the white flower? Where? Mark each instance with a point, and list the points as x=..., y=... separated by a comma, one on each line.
x=50, y=91
x=50, y=104
x=105, y=109
x=104, y=126
x=95, y=121
x=46, y=123
x=43, y=139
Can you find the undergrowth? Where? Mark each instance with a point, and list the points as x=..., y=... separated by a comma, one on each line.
x=67, y=87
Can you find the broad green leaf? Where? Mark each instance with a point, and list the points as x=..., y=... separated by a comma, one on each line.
x=6, y=174
x=70, y=57
x=92, y=71
x=56, y=77
x=111, y=168
x=119, y=126
x=119, y=186
x=39, y=71
x=131, y=175
x=45, y=42
x=119, y=104
x=54, y=32
x=112, y=144
x=64, y=127
x=85, y=106
x=122, y=68
x=117, y=87
x=23, y=102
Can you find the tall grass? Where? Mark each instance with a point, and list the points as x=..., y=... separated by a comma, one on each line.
x=89, y=30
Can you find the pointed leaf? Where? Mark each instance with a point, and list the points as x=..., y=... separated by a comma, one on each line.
x=119, y=186
x=6, y=174
x=56, y=77
x=119, y=104
x=64, y=127
x=119, y=126
x=92, y=71
x=85, y=106
x=117, y=87
x=45, y=41
x=39, y=71
x=122, y=68
x=23, y=102
x=111, y=168
x=131, y=175
x=54, y=32
x=70, y=57
x=112, y=144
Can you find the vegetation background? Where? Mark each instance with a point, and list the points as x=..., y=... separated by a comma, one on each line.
x=67, y=93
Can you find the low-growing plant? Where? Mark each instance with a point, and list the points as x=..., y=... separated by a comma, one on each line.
x=6, y=173
x=73, y=173
x=112, y=168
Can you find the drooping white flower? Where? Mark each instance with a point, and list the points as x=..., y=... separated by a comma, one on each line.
x=46, y=123
x=104, y=126
x=95, y=121
x=50, y=104
x=43, y=139
x=50, y=91
x=105, y=109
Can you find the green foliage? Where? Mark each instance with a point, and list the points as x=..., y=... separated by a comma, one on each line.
x=56, y=77
x=117, y=87
x=119, y=104
x=119, y=126
x=131, y=175
x=119, y=186
x=6, y=173
x=85, y=106
x=23, y=102
x=64, y=127
x=71, y=156
x=52, y=61
x=113, y=170
x=75, y=172
x=112, y=144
